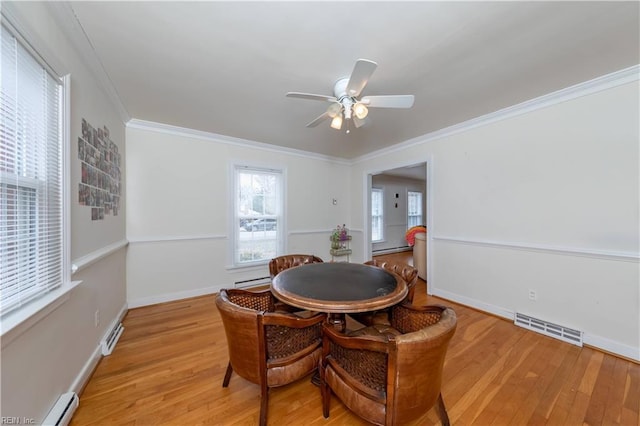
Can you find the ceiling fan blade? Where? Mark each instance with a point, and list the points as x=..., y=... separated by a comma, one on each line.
x=388, y=101
x=319, y=120
x=360, y=76
x=311, y=96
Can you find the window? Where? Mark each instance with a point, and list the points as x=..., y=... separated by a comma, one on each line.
x=414, y=209
x=258, y=218
x=31, y=177
x=377, y=218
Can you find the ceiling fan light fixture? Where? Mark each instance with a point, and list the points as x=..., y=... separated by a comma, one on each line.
x=334, y=110
x=336, y=123
x=360, y=110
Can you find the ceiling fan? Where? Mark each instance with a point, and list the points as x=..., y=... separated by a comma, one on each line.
x=346, y=103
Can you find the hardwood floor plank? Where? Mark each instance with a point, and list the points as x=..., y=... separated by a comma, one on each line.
x=168, y=366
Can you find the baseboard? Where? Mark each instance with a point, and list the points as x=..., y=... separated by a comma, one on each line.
x=613, y=347
x=473, y=303
x=170, y=297
x=596, y=342
x=87, y=370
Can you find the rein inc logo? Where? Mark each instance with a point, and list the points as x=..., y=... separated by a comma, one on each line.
x=15, y=420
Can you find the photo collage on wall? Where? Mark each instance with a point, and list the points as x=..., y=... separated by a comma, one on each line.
x=100, y=186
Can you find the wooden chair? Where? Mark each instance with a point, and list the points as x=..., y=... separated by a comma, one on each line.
x=389, y=375
x=407, y=272
x=280, y=263
x=266, y=347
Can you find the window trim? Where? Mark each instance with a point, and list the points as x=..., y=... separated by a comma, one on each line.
x=233, y=231
x=422, y=216
x=18, y=321
x=382, y=233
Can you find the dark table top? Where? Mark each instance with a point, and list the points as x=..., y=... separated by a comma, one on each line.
x=339, y=287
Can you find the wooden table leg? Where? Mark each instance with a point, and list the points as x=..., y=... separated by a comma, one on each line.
x=338, y=321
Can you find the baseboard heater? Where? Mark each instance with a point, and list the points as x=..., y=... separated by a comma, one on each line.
x=252, y=282
x=110, y=341
x=62, y=411
x=549, y=329
x=391, y=250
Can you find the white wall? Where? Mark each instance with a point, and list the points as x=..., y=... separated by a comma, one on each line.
x=395, y=218
x=56, y=353
x=546, y=199
x=179, y=204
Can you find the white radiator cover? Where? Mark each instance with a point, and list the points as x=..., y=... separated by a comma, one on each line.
x=62, y=411
x=549, y=329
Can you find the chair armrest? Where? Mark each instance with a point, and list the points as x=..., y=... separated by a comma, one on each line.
x=368, y=343
x=292, y=320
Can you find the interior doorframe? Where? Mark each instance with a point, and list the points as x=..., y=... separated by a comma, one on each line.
x=367, y=184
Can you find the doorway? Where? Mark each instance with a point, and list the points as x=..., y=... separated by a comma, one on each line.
x=393, y=196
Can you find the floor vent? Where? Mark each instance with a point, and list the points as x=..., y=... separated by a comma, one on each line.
x=62, y=411
x=549, y=329
x=112, y=338
x=252, y=282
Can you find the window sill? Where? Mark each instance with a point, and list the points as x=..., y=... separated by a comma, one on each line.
x=16, y=323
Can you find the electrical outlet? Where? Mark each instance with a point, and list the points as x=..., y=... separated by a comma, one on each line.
x=96, y=318
x=533, y=295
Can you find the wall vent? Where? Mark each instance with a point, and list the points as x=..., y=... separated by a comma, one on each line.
x=252, y=282
x=110, y=341
x=549, y=329
x=62, y=411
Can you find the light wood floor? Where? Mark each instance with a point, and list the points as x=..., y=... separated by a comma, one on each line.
x=168, y=366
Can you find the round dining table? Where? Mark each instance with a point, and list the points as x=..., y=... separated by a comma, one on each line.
x=338, y=288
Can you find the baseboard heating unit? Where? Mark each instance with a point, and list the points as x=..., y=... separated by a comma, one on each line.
x=252, y=282
x=62, y=411
x=110, y=341
x=549, y=329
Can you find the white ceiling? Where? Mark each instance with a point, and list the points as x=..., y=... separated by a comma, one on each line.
x=225, y=67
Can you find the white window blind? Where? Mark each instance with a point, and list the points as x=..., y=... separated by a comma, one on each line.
x=258, y=220
x=377, y=215
x=31, y=203
x=414, y=209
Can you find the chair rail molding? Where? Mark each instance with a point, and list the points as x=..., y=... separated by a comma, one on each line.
x=93, y=257
x=175, y=238
x=544, y=248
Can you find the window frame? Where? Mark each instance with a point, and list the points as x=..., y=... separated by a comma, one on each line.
x=234, y=218
x=17, y=320
x=381, y=216
x=421, y=204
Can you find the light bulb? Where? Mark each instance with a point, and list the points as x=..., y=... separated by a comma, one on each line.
x=360, y=110
x=336, y=123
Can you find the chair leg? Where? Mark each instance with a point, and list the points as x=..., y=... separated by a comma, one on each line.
x=325, y=392
x=442, y=411
x=264, y=404
x=227, y=375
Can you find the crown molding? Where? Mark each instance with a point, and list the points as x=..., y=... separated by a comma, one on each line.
x=598, y=84
x=229, y=140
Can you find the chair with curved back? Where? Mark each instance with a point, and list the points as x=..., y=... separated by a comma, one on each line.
x=280, y=263
x=266, y=347
x=407, y=272
x=389, y=375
